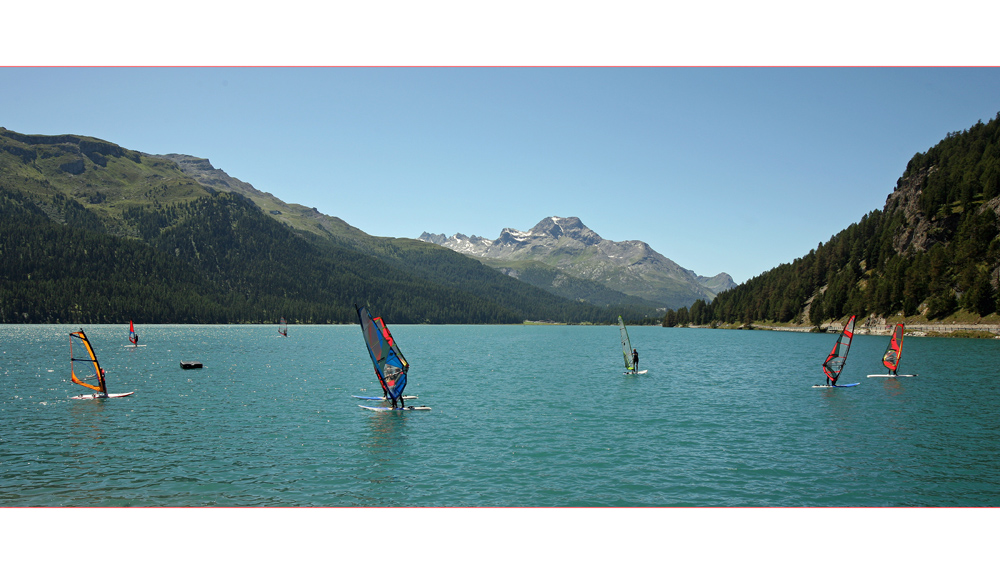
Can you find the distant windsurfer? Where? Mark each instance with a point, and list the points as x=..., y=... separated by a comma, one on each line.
x=635, y=359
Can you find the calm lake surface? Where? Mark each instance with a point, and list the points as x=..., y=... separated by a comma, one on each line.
x=523, y=416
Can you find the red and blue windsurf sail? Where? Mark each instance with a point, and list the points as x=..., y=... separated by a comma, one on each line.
x=834, y=363
x=283, y=327
x=895, y=349
x=390, y=366
x=132, y=337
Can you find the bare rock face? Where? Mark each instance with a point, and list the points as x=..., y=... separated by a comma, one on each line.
x=906, y=198
x=566, y=244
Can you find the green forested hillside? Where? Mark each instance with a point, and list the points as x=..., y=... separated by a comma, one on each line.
x=91, y=232
x=932, y=250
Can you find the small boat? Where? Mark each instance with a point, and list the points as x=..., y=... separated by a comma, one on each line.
x=84, y=353
x=627, y=350
x=834, y=363
x=283, y=327
x=191, y=364
x=390, y=365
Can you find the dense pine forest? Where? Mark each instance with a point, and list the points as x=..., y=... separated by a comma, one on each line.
x=933, y=250
x=93, y=233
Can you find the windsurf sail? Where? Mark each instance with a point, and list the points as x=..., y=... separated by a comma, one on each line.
x=132, y=336
x=390, y=365
x=895, y=349
x=84, y=354
x=834, y=363
x=283, y=327
x=626, y=345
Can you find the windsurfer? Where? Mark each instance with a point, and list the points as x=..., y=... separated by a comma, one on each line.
x=635, y=359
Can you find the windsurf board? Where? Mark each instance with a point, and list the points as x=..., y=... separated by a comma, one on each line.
x=420, y=408
x=109, y=396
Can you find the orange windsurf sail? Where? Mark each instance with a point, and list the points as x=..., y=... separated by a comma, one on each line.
x=84, y=353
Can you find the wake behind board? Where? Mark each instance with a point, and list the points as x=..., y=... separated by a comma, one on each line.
x=835, y=386
x=109, y=396
x=643, y=372
x=890, y=376
x=405, y=398
x=132, y=346
x=420, y=408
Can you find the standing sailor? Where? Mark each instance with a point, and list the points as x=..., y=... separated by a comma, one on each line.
x=635, y=360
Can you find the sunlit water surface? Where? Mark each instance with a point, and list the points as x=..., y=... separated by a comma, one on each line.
x=521, y=416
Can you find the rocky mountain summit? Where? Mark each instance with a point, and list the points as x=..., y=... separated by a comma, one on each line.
x=566, y=244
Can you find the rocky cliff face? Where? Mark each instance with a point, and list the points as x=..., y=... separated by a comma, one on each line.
x=566, y=244
x=917, y=231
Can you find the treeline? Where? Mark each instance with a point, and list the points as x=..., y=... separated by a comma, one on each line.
x=866, y=270
x=219, y=259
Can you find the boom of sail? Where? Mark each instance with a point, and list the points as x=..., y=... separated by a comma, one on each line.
x=895, y=349
x=626, y=345
x=834, y=363
x=390, y=365
x=83, y=353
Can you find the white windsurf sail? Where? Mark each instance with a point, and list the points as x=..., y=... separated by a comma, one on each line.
x=626, y=345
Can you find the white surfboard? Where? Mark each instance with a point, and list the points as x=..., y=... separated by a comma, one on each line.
x=108, y=396
x=836, y=386
x=889, y=376
x=420, y=408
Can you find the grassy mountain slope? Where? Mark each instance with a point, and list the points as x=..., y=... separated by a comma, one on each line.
x=559, y=283
x=431, y=262
x=94, y=232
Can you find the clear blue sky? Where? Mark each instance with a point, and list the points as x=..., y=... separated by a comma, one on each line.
x=720, y=169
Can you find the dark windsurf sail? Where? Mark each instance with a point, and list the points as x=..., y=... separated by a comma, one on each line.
x=283, y=327
x=626, y=345
x=390, y=366
x=834, y=363
x=83, y=353
x=895, y=349
x=132, y=336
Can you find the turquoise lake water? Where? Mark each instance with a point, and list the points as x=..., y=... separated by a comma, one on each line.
x=522, y=416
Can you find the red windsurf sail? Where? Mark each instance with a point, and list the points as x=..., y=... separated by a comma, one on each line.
x=895, y=349
x=834, y=363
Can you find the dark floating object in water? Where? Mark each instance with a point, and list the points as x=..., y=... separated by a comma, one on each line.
x=191, y=364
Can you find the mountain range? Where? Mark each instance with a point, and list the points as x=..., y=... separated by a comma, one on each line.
x=563, y=256
x=91, y=232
